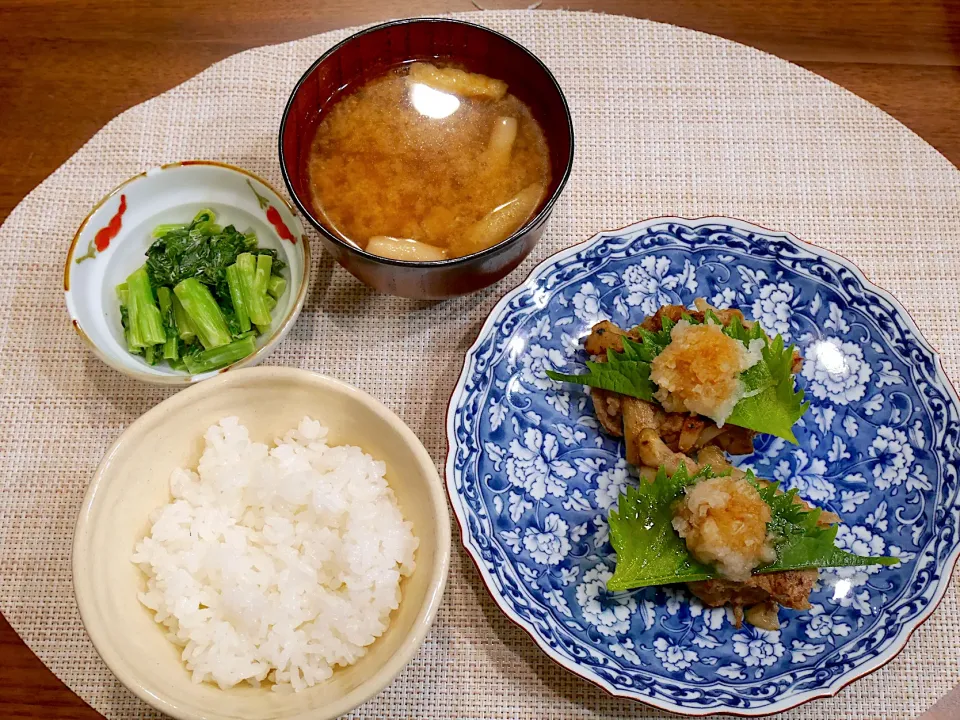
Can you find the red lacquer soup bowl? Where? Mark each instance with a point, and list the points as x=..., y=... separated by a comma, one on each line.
x=370, y=53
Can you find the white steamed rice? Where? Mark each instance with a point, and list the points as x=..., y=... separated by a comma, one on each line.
x=275, y=564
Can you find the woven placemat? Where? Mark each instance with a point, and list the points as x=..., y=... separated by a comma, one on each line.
x=668, y=122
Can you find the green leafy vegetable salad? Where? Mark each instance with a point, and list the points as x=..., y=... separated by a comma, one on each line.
x=203, y=296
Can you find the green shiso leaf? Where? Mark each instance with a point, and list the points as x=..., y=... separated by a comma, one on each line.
x=650, y=552
x=771, y=403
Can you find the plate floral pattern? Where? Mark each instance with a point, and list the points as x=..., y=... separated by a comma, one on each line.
x=532, y=478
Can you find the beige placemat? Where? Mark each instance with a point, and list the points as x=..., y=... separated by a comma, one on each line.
x=668, y=122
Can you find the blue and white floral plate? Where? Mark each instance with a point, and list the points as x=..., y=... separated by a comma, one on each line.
x=531, y=477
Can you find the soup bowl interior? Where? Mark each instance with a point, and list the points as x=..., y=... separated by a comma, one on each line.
x=372, y=52
x=133, y=480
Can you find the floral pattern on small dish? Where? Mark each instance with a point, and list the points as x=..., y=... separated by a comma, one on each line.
x=532, y=478
x=273, y=216
x=101, y=241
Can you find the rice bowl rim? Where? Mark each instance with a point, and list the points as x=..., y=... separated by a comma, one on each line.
x=94, y=622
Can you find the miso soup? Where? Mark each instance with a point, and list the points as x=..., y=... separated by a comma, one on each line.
x=427, y=163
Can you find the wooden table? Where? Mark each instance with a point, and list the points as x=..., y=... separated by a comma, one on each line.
x=69, y=67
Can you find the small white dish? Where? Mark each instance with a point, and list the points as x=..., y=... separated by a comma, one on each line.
x=134, y=479
x=112, y=241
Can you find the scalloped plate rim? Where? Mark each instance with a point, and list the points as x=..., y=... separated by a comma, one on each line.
x=801, y=698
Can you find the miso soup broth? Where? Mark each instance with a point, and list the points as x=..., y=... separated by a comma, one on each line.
x=427, y=162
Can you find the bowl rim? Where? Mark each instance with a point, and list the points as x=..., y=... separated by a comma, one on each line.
x=276, y=336
x=537, y=219
x=947, y=568
x=182, y=401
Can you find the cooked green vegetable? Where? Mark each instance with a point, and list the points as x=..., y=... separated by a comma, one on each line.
x=650, y=552
x=252, y=298
x=261, y=280
x=220, y=357
x=195, y=303
x=236, y=296
x=201, y=250
x=264, y=263
x=134, y=345
x=184, y=327
x=143, y=311
x=170, y=347
x=770, y=403
x=276, y=285
x=160, y=230
x=128, y=333
x=204, y=313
